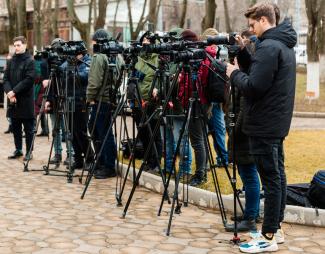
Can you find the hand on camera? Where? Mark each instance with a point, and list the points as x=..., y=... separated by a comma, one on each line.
x=231, y=68
x=47, y=106
x=10, y=94
x=240, y=41
x=45, y=83
x=155, y=93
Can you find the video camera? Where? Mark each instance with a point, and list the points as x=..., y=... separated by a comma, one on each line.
x=51, y=56
x=71, y=48
x=108, y=47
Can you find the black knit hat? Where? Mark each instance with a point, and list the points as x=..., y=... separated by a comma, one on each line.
x=189, y=35
x=101, y=34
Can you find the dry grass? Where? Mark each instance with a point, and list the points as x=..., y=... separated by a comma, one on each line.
x=304, y=155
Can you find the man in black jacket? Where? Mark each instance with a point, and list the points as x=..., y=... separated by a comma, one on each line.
x=269, y=89
x=18, y=85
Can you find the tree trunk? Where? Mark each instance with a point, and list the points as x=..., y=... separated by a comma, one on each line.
x=37, y=24
x=321, y=41
x=55, y=19
x=183, y=16
x=101, y=19
x=227, y=18
x=312, y=9
x=115, y=15
x=152, y=15
x=21, y=18
x=83, y=28
x=210, y=14
x=141, y=22
x=12, y=15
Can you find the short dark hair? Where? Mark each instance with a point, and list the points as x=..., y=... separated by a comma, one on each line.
x=20, y=38
x=262, y=9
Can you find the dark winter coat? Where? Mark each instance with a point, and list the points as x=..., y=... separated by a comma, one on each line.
x=19, y=78
x=269, y=88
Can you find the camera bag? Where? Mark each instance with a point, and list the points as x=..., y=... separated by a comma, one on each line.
x=316, y=192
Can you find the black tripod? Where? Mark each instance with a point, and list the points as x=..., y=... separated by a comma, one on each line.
x=64, y=111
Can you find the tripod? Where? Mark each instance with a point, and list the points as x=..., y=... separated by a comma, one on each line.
x=64, y=111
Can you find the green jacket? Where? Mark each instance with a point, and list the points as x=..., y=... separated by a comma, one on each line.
x=97, y=73
x=146, y=73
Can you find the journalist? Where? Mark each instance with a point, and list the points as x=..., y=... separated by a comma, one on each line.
x=269, y=89
x=18, y=85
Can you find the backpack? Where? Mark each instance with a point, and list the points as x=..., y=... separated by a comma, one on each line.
x=217, y=88
x=316, y=192
x=297, y=194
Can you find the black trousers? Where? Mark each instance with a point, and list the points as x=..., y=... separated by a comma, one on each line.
x=145, y=137
x=269, y=158
x=79, y=140
x=28, y=124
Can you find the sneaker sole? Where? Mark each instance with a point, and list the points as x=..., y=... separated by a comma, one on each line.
x=270, y=249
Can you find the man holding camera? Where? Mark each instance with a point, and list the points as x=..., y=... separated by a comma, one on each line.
x=98, y=96
x=18, y=85
x=269, y=89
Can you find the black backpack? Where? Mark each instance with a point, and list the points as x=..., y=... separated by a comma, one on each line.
x=316, y=192
x=217, y=88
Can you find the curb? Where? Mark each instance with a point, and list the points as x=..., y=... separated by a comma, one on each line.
x=309, y=114
x=203, y=198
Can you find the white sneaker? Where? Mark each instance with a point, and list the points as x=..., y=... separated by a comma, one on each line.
x=259, y=245
x=279, y=236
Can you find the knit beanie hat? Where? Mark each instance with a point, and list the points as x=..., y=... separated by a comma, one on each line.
x=101, y=34
x=189, y=35
x=177, y=30
x=210, y=32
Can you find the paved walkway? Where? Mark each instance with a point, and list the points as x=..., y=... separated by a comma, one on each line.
x=44, y=214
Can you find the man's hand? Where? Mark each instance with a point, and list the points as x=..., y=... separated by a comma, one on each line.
x=92, y=102
x=13, y=100
x=155, y=93
x=45, y=83
x=240, y=41
x=47, y=106
x=231, y=68
x=11, y=94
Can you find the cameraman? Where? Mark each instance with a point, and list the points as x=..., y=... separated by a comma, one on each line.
x=80, y=63
x=18, y=85
x=53, y=65
x=99, y=90
x=269, y=89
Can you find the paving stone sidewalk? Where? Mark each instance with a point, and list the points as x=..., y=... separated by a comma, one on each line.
x=44, y=214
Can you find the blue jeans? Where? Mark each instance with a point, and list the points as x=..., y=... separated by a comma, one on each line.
x=172, y=136
x=57, y=143
x=249, y=176
x=104, y=118
x=218, y=127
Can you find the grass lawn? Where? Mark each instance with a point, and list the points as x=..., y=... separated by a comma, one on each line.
x=304, y=155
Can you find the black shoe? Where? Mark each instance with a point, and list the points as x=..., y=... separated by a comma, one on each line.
x=243, y=226
x=56, y=159
x=16, y=154
x=198, y=179
x=76, y=165
x=66, y=161
x=42, y=134
x=28, y=157
x=9, y=130
x=241, y=217
x=105, y=173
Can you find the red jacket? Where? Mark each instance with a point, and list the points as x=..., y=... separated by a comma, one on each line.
x=185, y=85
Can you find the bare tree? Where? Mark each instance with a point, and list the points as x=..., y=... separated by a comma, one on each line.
x=100, y=20
x=83, y=28
x=154, y=6
x=227, y=17
x=55, y=19
x=210, y=14
x=12, y=14
x=321, y=40
x=21, y=18
x=141, y=22
x=313, y=9
x=37, y=24
x=115, y=15
x=183, y=16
